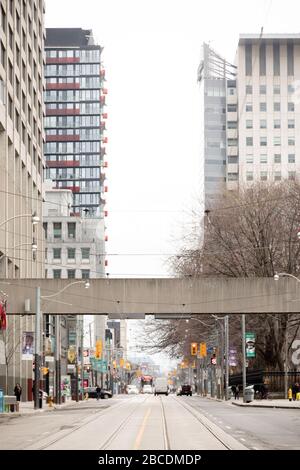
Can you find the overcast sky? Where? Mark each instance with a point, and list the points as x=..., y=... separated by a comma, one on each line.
x=151, y=54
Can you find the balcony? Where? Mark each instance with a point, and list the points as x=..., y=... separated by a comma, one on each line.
x=62, y=60
x=62, y=86
x=62, y=164
x=62, y=138
x=62, y=112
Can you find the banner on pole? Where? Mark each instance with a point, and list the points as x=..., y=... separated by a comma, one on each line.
x=28, y=345
x=250, y=345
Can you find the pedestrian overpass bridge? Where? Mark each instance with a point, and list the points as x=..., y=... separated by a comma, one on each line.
x=165, y=298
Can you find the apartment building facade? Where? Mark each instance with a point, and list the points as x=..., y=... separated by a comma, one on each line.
x=75, y=118
x=21, y=170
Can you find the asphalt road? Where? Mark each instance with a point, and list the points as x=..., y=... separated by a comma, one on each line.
x=257, y=428
x=145, y=422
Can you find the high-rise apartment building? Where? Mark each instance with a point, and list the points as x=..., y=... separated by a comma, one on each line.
x=75, y=117
x=21, y=172
x=268, y=81
x=21, y=136
x=214, y=75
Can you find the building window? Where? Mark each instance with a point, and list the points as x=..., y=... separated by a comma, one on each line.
x=232, y=142
x=276, y=89
x=56, y=273
x=71, y=229
x=232, y=176
x=248, y=59
x=231, y=125
x=45, y=227
x=277, y=176
x=3, y=55
x=291, y=89
x=249, y=107
x=277, y=106
x=248, y=89
x=57, y=229
x=277, y=123
x=277, y=158
x=85, y=253
x=290, y=59
x=71, y=273
x=263, y=176
x=276, y=140
x=264, y=158
x=263, y=124
x=249, y=175
x=291, y=106
x=71, y=253
x=263, y=107
x=263, y=141
x=232, y=108
x=263, y=89
x=249, y=158
x=291, y=140
x=276, y=58
x=262, y=59
x=85, y=273
x=249, y=124
x=292, y=175
x=249, y=141
x=291, y=158
x=56, y=253
x=291, y=123
x=10, y=107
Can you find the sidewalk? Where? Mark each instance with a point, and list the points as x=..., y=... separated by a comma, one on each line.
x=279, y=403
x=27, y=409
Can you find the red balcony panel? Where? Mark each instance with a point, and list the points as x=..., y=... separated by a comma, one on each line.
x=105, y=140
x=104, y=91
x=62, y=164
x=105, y=165
x=74, y=189
x=102, y=99
x=105, y=189
x=62, y=60
x=62, y=86
x=62, y=112
x=104, y=115
x=102, y=151
x=62, y=138
x=102, y=73
x=106, y=238
x=106, y=262
x=105, y=213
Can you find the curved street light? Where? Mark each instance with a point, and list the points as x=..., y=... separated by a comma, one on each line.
x=57, y=342
x=34, y=218
x=278, y=275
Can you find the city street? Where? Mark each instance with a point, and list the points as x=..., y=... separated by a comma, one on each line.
x=144, y=422
x=131, y=423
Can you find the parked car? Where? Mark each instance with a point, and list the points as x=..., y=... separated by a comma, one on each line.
x=185, y=390
x=91, y=391
x=132, y=390
x=147, y=389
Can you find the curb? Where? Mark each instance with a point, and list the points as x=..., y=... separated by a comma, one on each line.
x=266, y=406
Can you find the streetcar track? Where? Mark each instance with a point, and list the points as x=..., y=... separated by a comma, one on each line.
x=195, y=415
x=79, y=426
x=115, y=433
x=165, y=428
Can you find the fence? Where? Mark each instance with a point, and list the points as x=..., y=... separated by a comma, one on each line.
x=274, y=380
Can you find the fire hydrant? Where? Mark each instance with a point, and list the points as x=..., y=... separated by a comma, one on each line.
x=290, y=394
x=50, y=402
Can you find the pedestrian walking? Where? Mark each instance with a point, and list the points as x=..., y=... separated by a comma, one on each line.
x=98, y=391
x=295, y=390
x=18, y=391
x=237, y=393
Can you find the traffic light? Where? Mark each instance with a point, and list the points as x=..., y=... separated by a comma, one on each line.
x=203, y=352
x=213, y=360
x=98, y=352
x=194, y=348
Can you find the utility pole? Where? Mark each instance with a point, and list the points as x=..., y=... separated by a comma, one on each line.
x=244, y=355
x=286, y=363
x=37, y=352
x=82, y=358
x=226, y=356
x=57, y=360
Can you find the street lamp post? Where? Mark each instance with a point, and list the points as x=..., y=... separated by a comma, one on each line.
x=38, y=316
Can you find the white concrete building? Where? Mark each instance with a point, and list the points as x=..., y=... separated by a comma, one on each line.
x=268, y=84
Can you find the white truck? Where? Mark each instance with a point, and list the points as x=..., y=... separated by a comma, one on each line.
x=161, y=386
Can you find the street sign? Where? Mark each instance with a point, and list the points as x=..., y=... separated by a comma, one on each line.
x=250, y=345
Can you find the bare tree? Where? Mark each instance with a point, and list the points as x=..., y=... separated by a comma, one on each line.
x=11, y=340
x=252, y=233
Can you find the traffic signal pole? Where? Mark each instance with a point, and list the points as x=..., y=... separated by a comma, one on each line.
x=37, y=352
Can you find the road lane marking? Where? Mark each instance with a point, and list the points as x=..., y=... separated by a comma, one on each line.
x=242, y=439
x=142, y=430
x=228, y=427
